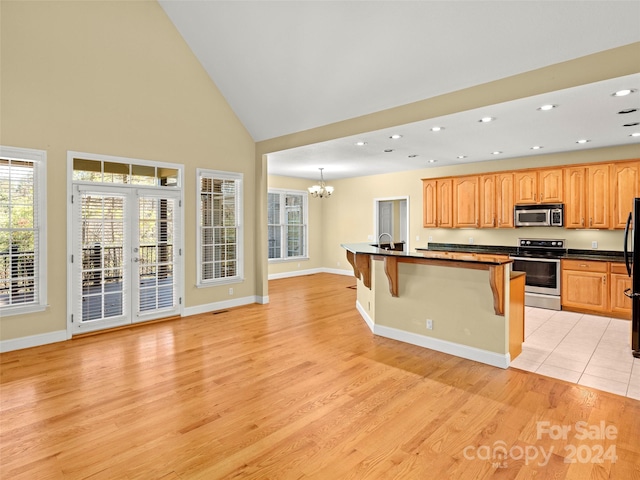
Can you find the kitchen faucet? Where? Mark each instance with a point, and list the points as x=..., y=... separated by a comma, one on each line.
x=390, y=240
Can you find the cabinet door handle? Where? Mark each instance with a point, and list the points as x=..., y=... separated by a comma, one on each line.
x=541, y=196
x=591, y=222
x=604, y=279
x=534, y=196
x=582, y=222
x=584, y=265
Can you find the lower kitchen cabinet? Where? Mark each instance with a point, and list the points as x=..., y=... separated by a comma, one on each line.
x=620, y=281
x=595, y=287
x=584, y=290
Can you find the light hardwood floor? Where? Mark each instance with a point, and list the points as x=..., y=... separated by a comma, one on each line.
x=296, y=389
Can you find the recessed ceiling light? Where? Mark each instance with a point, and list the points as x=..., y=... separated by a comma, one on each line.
x=497, y=152
x=413, y=156
x=395, y=136
x=635, y=134
x=436, y=129
x=388, y=150
x=628, y=110
x=432, y=161
x=584, y=140
x=360, y=144
x=486, y=119
x=536, y=147
x=461, y=157
x=631, y=124
x=623, y=93
x=547, y=107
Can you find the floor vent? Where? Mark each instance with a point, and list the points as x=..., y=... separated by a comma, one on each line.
x=352, y=287
x=218, y=312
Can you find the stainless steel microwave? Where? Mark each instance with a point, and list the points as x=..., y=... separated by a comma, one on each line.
x=545, y=215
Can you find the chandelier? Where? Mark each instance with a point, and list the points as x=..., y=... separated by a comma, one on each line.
x=321, y=190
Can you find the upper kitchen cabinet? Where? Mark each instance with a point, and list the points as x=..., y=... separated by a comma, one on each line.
x=575, y=194
x=539, y=186
x=587, y=196
x=437, y=199
x=496, y=200
x=625, y=186
x=504, y=200
x=488, y=201
x=598, y=196
x=466, y=202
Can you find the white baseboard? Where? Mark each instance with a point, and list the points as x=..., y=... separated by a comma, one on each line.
x=212, y=307
x=470, y=353
x=311, y=271
x=296, y=273
x=336, y=271
x=365, y=316
x=262, y=300
x=33, y=341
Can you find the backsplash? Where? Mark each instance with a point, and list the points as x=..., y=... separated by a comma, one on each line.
x=575, y=239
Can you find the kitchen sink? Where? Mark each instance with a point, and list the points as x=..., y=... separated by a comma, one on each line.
x=397, y=247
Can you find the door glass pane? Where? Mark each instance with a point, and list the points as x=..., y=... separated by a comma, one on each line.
x=156, y=254
x=102, y=243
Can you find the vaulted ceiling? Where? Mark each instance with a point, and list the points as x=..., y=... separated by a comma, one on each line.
x=289, y=66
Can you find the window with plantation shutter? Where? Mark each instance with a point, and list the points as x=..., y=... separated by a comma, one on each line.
x=220, y=236
x=22, y=230
x=287, y=224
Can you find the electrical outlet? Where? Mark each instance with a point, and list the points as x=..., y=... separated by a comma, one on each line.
x=230, y=290
x=370, y=238
x=430, y=238
x=429, y=324
x=470, y=240
x=298, y=265
x=417, y=238
x=594, y=244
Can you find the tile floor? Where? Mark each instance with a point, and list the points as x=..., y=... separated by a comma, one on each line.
x=584, y=349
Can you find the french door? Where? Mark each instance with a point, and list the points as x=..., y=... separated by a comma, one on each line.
x=125, y=261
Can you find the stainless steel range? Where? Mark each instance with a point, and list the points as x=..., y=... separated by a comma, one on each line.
x=540, y=260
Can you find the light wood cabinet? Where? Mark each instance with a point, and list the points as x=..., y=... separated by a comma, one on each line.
x=429, y=203
x=587, y=197
x=551, y=186
x=496, y=201
x=598, y=196
x=437, y=202
x=575, y=194
x=526, y=187
x=625, y=186
x=466, y=204
x=504, y=200
x=488, y=201
x=584, y=285
x=595, y=286
x=620, y=281
x=539, y=186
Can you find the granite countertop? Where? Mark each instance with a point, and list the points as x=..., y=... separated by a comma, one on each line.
x=594, y=255
x=458, y=256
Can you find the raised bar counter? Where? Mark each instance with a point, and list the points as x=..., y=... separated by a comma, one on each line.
x=463, y=303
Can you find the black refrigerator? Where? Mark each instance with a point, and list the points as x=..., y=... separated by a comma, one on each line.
x=632, y=261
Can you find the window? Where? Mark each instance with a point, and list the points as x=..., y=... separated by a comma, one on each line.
x=22, y=230
x=220, y=227
x=287, y=219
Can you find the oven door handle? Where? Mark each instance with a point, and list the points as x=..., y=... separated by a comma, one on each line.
x=535, y=259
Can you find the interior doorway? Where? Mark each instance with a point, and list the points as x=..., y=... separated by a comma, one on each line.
x=391, y=216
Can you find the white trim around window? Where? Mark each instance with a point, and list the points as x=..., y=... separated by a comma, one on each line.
x=220, y=236
x=288, y=225
x=37, y=272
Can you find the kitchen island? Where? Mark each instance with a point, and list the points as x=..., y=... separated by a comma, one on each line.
x=463, y=304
